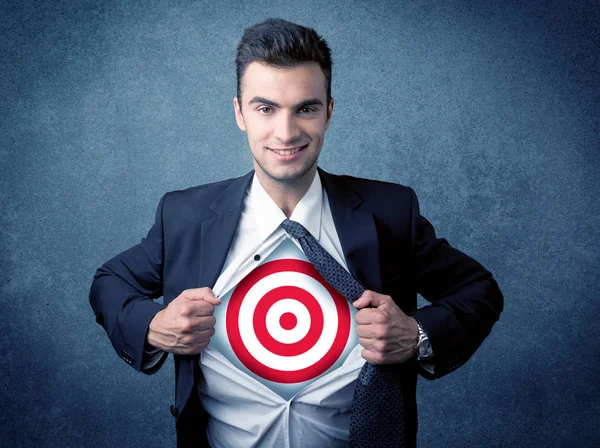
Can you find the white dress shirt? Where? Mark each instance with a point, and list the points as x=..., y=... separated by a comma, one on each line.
x=244, y=409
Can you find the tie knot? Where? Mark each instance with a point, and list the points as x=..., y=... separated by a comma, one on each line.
x=294, y=228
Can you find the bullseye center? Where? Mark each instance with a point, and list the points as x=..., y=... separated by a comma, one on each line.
x=288, y=321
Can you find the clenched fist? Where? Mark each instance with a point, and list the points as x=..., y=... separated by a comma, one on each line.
x=185, y=326
x=386, y=333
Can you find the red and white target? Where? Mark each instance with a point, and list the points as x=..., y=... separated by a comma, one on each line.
x=285, y=323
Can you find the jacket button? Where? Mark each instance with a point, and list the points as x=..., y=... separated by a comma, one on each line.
x=126, y=357
x=174, y=411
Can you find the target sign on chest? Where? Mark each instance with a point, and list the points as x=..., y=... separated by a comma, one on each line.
x=283, y=324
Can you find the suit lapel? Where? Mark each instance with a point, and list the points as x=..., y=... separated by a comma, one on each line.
x=356, y=230
x=216, y=235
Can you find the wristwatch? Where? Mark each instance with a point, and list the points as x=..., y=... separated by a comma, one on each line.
x=424, y=350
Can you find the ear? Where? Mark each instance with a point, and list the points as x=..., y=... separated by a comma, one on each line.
x=329, y=113
x=238, y=114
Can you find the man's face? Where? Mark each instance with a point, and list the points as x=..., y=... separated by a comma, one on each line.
x=285, y=115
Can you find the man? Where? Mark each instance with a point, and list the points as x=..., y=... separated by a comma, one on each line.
x=208, y=242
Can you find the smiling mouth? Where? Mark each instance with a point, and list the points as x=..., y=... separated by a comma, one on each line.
x=287, y=152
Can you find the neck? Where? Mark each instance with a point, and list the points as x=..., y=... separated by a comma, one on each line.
x=286, y=194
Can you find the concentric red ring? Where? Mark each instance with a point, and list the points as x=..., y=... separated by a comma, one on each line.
x=235, y=338
x=260, y=321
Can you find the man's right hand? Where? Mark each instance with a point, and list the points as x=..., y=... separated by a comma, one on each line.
x=185, y=326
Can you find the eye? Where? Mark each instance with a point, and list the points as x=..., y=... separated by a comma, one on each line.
x=265, y=109
x=307, y=110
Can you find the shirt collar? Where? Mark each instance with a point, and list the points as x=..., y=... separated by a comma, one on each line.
x=268, y=216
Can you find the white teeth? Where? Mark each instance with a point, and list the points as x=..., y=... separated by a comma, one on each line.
x=287, y=152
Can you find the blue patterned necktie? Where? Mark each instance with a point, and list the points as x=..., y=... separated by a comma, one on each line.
x=377, y=418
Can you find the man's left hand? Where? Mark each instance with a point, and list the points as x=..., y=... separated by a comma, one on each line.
x=386, y=333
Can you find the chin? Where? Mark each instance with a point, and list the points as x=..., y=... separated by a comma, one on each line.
x=286, y=177
x=289, y=176
x=286, y=174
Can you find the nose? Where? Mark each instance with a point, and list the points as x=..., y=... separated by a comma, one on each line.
x=286, y=129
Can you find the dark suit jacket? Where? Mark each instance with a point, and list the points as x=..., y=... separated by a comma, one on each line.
x=388, y=246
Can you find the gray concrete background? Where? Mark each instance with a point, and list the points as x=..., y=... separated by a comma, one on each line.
x=489, y=110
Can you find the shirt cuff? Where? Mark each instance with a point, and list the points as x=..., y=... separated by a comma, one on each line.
x=152, y=356
x=428, y=366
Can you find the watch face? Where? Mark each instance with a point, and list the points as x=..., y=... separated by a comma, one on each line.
x=425, y=350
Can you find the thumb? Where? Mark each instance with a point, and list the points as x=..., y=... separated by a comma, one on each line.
x=212, y=299
x=368, y=299
x=205, y=294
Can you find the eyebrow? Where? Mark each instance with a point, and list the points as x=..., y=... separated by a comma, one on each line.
x=311, y=102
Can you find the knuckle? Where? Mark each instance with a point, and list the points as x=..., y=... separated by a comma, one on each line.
x=379, y=333
x=185, y=310
x=381, y=346
x=374, y=357
x=205, y=323
x=184, y=351
x=380, y=318
x=185, y=293
x=205, y=307
x=190, y=351
x=205, y=334
x=365, y=354
x=187, y=327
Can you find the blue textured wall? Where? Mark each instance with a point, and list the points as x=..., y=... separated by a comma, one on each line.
x=491, y=113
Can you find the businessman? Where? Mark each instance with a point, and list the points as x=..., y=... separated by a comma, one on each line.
x=290, y=294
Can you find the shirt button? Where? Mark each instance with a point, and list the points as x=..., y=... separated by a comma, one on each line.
x=257, y=257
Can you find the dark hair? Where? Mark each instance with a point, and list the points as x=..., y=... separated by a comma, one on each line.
x=281, y=43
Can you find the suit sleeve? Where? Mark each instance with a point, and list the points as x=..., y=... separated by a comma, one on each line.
x=465, y=299
x=122, y=294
